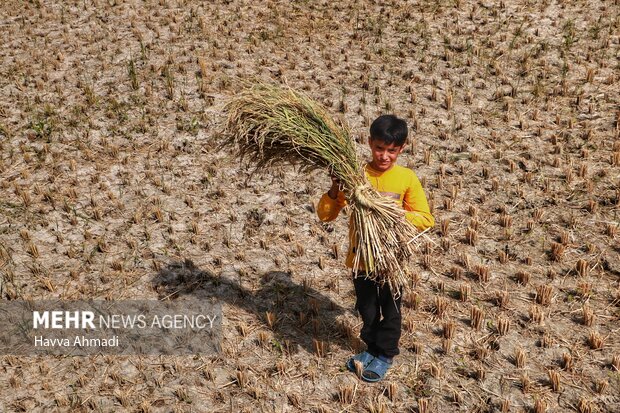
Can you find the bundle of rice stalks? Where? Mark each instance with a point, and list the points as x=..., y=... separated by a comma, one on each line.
x=268, y=125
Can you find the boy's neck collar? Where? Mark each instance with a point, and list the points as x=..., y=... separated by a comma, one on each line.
x=369, y=165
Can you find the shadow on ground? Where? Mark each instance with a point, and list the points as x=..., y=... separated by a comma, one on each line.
x=304, y=316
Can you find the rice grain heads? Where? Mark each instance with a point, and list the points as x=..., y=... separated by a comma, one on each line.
x=269, y=124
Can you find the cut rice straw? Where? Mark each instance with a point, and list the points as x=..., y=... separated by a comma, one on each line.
x=269, y=124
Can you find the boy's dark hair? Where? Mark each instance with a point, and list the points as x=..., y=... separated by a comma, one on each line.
x=389, y=129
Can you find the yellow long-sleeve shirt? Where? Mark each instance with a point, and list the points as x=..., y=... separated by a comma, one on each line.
x=398, y=183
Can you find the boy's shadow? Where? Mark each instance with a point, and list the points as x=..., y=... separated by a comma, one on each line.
x=303, y=316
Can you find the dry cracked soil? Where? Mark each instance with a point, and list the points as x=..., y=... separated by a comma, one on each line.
x=112, y=186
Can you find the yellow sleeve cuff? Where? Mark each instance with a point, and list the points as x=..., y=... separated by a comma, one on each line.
x=328, y=208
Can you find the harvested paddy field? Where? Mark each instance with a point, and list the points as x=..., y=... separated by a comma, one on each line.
x=113, y=187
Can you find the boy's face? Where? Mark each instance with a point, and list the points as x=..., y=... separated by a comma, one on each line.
x=383, y=155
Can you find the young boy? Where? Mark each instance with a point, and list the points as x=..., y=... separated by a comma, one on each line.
x=380, y=313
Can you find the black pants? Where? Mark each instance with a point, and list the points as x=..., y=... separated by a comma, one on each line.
x=381, y=316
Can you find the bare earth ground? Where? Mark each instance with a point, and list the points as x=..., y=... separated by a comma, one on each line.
x=111, y=187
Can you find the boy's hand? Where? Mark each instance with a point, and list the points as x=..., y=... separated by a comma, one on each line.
x=335, y=188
